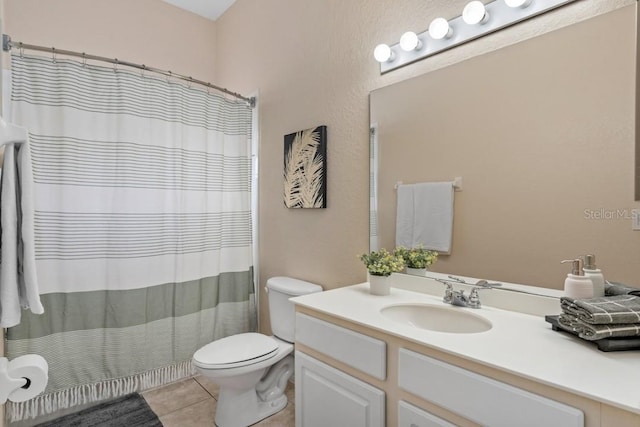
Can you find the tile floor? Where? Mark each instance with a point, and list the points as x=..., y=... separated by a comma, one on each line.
x=192, y=403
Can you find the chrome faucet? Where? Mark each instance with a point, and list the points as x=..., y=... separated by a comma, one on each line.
x=458, y=298
x=448, y=292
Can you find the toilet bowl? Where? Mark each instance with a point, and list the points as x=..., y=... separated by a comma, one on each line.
x=252, y=369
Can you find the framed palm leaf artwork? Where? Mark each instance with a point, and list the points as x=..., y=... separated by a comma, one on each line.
x=305, y=168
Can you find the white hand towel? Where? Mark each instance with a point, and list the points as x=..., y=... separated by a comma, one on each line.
x=404, y=216
x=433, y=215
x=18, y=281
x=9, y=288
x=29, y=290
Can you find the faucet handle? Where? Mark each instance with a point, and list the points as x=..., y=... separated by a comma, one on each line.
x=448, y=292
x=474, y=298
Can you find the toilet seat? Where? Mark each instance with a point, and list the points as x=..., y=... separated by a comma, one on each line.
x=236, y=350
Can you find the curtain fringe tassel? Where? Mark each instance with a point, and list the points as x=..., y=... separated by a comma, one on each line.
x=90, y=393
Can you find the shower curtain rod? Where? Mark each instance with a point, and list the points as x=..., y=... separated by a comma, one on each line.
x=8, y=44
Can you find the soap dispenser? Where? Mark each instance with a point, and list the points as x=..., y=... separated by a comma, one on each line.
x=577, y=285
x=595, y=274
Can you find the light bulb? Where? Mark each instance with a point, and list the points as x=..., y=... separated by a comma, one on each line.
x=440, y=29
x=517, y=3
x=382, y=53
x=410, y=41
x=475, y=13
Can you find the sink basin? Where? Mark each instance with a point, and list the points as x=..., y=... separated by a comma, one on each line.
x=437, y=318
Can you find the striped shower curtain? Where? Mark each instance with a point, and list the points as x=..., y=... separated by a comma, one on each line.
x=143, y=235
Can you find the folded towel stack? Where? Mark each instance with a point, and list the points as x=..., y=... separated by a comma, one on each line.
x=605, y=317
x=615, y=288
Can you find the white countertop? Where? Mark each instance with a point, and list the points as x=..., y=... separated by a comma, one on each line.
x=518, y=343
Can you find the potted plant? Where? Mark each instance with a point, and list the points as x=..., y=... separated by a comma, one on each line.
x=416, y=259
x=380, y=264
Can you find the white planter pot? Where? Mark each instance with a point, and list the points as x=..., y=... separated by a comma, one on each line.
x=379, y=285
x=417, y=271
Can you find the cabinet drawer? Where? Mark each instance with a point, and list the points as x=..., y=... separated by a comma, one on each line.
x=326, y=397
x=478, y=398
x=412, y=416
x=359, y=351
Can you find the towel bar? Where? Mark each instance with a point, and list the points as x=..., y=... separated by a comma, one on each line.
x=457, y=184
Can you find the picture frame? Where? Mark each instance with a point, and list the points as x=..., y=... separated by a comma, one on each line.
x=305, y=169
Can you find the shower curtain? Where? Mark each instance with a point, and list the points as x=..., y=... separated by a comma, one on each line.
x=142, y=199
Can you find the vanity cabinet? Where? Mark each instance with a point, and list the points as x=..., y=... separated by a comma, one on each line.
x=326, y=396
x=360, y=351
x=351, y=375
x=478, y=398
x=412, y=416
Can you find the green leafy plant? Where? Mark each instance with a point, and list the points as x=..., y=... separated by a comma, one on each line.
x=382, y=262
x=417, y=257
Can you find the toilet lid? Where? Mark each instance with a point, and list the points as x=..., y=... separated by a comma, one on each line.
x=236, y=350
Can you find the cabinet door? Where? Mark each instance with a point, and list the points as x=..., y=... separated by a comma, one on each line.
x=357, y=350
x=478, y=398
x=412, y=416
x=326, y=396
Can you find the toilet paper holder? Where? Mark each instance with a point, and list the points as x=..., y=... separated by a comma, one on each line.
x=23, y=378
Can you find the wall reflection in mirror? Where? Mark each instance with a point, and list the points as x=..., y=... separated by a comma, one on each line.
x=543, y=133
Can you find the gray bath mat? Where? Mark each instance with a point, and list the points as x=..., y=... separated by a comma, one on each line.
x=130, y=411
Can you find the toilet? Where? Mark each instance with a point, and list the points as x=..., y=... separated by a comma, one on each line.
x=252, y=369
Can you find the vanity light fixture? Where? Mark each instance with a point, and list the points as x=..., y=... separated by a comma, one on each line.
x=475, y=13
x=383, y=53
x=478, y=18
x=518, y=3
x=440, y=29
x=410, y=41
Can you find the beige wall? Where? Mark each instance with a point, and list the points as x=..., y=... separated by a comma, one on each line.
x=312, y=64
x=149, y=32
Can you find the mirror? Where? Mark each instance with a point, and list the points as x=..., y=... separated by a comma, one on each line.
x=543, y=135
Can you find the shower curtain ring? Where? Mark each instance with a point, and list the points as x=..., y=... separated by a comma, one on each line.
x=84, y=59
x=115, y=65
x=169, y=76
x=21, y=50
x=144, y=68
x=53, y=54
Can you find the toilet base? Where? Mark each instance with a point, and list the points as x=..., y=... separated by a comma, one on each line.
x=253, y=410
x=241, y=405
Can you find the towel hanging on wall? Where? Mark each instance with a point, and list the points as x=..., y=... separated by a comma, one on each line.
x=404, y=216
x=424, y=216
x=18, y=279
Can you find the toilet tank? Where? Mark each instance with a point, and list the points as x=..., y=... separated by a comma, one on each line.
x=282, y=312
